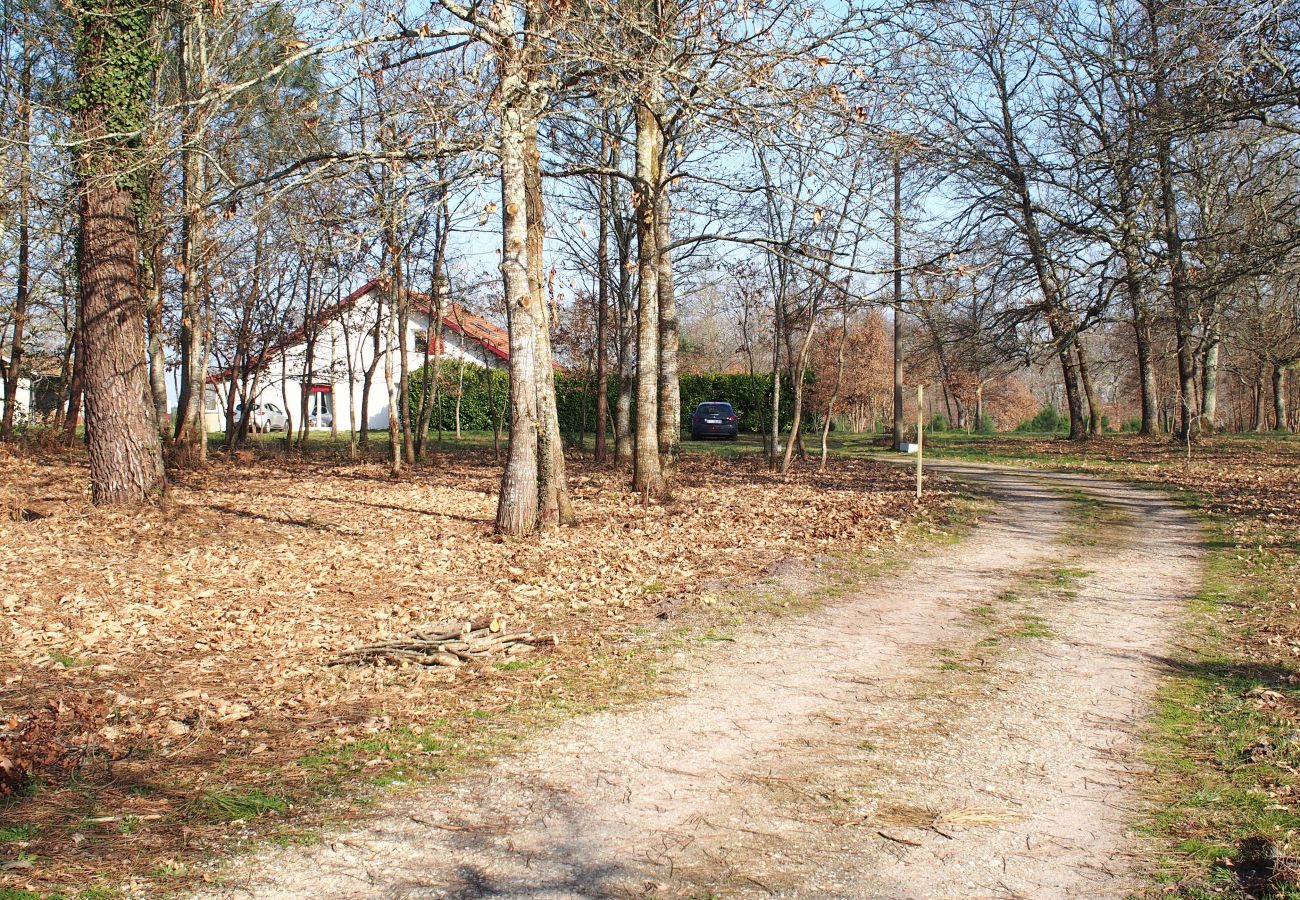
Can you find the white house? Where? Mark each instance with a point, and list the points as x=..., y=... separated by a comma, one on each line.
x=328, y=358
x=23, y=395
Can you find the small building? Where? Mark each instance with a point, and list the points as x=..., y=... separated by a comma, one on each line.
x=23, y=394
x=336, y=361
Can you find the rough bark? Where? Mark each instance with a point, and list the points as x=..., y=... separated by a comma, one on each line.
x=125, y=452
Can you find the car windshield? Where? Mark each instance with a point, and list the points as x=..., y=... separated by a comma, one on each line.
x=714, y=409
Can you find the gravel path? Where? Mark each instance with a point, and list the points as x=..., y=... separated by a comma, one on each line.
x=962, y=729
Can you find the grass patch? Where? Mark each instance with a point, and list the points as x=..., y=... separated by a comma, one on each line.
x=1225, y=746
x=236, y=806
x=517, y=665
x=13, y=834
x=1031, y=627
x=67, y=660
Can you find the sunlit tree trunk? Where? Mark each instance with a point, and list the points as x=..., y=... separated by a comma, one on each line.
x=113, y=66
x=647, y=473
x=517, y=504
x=670, y=400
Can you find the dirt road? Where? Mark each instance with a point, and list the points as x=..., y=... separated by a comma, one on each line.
x=965, y=728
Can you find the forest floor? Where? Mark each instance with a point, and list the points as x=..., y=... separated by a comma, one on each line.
x=167, y=674
x=967, y=726
x=754, y=693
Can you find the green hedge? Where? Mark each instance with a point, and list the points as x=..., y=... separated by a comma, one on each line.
x=485, y=392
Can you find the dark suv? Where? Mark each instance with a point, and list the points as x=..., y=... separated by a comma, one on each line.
x=714, y=420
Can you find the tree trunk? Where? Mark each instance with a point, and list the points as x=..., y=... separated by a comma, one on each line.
x=77, y=382
x=404, y=373
x=517, y=503
x=835, y=391
x=1210, y=378
x=125, y=453
x=623, y=440
x=22, y=290
x=670, y=399
x=1179, y=295
x=774, y=426
x=899, y=424
x=796, y=383
x=647, y=475
x=390, y=339
x=1089, y=389
x=553, y=504
x=602, y=309
x=1073, y=394
x=368, y=375
x=1279, y=398
x=1146, y=375
x=190, y=399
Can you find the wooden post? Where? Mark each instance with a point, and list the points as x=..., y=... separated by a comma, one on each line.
x=920, y=432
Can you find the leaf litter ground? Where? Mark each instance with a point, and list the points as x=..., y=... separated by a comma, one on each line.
x=181, y=652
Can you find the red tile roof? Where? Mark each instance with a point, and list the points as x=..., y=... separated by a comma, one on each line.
x=492, y=337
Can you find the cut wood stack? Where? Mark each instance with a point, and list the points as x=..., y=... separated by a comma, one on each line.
x=447, y=645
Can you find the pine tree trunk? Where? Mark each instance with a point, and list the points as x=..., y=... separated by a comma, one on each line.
x=124, y=449
x=125, y=453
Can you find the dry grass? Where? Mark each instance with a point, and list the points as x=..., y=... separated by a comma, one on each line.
x=206, y=625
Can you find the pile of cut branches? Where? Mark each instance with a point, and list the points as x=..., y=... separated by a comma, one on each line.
x=447, y=645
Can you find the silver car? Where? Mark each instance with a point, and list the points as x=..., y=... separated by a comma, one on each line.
x=263, y=417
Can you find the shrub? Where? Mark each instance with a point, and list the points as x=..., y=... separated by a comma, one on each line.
x=484, y=394
x=1048, y=419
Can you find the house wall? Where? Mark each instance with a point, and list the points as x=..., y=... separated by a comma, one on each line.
x=345, y=339
x=23, y=396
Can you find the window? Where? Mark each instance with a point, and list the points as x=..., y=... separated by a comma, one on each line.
x=421, y=341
